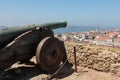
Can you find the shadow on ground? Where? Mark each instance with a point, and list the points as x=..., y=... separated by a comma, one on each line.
x=64, y=72
x=26, y=73
x=20, y=73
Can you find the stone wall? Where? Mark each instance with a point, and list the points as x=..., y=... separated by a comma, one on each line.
x=101, y=58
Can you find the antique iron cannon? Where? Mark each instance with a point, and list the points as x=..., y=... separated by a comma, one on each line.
x=22, y=43
x=8, y=34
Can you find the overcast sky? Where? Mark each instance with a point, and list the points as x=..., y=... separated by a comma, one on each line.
x=76, y=12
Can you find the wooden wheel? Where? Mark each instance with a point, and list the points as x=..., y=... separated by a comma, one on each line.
x=49, y=54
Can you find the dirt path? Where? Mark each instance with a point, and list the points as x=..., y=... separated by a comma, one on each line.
x=33, y=73
x=92, y=75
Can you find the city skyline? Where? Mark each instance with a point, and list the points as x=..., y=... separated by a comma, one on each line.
x=75, y=12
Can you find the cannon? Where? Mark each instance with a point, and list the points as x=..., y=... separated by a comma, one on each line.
x=8, y=34
x=22, y=43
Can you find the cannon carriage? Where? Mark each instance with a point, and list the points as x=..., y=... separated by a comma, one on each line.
x=22, y=43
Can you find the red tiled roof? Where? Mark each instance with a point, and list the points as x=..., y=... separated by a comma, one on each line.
x=117, y=39
x=110, y=34
x=101, y=38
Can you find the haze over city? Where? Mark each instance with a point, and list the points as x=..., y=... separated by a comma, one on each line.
x=75, y=12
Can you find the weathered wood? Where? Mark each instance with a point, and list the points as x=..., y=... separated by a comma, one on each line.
x=23, y=47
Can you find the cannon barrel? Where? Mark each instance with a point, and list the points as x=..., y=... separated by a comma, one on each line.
x=8, y=34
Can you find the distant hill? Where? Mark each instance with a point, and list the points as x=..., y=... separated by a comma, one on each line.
x=1, y=27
